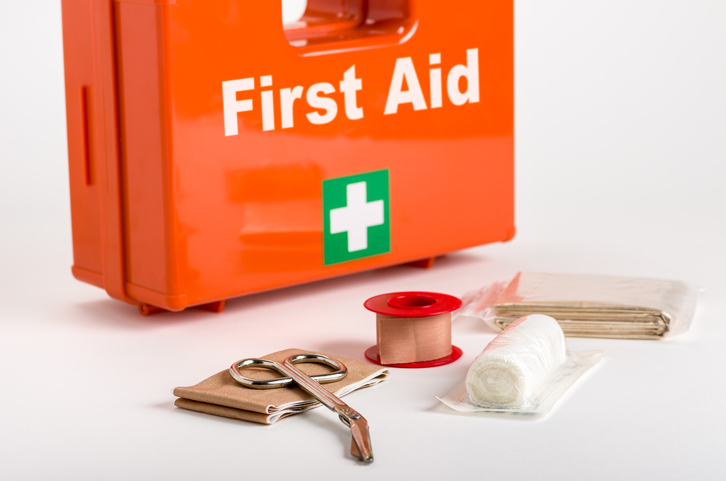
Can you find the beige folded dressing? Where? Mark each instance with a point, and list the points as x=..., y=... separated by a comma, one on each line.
x=221, y=395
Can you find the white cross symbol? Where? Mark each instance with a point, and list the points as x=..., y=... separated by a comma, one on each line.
x=356, y=217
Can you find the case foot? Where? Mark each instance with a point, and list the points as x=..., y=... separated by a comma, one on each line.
x=216, y=306
x=422, y=263
x=149, y=310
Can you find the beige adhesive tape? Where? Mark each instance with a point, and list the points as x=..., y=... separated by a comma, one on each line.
x=413, y=339
x=413, y=329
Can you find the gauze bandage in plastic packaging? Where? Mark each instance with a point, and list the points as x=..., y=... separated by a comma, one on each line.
x=526, y=368
x=589, y=305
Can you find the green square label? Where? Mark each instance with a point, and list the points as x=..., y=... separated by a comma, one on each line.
x=356, y=217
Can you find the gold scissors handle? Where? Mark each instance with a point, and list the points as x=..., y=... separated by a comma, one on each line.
x=361, y=443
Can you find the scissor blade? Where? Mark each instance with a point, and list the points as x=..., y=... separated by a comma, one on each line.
x=360, y=445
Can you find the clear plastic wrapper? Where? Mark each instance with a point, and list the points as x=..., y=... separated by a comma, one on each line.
x=525, y=369
x=589, y=305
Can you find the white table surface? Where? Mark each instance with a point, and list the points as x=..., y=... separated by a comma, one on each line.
x=621, y=160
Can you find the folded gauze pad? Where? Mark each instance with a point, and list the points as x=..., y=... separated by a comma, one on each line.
x=515, y=365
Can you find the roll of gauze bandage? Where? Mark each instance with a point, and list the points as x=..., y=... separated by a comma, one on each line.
x=514, y=366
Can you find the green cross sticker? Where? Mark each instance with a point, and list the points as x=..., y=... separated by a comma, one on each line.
x=356, y=217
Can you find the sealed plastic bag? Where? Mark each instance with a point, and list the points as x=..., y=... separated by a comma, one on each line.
x=525, y=369
x=589, y=305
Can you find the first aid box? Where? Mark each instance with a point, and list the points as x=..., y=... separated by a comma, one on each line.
x=215, y=152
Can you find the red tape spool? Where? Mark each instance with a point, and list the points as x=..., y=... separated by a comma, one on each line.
x=413, y=329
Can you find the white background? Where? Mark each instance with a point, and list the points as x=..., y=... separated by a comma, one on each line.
x=621, y=146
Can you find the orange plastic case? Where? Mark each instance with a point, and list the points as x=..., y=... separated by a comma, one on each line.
x=214, y=153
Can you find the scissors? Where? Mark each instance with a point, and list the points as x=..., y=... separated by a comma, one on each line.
x=360, y=446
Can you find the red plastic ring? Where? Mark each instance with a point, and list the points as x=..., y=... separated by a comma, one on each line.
x=456, y=353
x=412, y=304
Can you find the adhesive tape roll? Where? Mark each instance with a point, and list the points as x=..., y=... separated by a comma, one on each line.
x=413, y=329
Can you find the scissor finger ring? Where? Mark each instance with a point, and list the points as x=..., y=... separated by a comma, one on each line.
x=340, y=373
